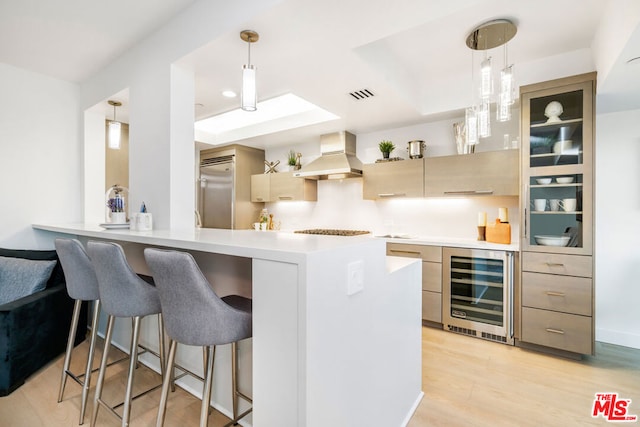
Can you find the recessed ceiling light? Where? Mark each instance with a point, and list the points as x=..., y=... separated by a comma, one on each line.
x=229, y=94
x=634, y=61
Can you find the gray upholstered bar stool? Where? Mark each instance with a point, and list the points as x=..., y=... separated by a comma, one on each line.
x=123, y=294
x=195, y=315
x=82, y=285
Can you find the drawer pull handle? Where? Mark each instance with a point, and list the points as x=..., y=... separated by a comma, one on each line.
x=392, y=194
x=555, y=294
x=404, y=252
x=555, y=264
x=555, y=331
x=283, y=197
x=469, y=192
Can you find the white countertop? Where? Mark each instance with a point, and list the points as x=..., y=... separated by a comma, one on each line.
x=272, y=245
x=276, y=245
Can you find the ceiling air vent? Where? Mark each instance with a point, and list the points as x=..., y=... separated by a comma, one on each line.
x=361, y=94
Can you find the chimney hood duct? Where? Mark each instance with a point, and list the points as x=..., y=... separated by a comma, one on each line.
x=337, y=160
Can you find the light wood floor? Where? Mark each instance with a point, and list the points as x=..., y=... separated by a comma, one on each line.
x=466, y=381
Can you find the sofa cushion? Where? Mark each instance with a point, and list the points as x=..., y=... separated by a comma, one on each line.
x=57, y=276
x=22, y=277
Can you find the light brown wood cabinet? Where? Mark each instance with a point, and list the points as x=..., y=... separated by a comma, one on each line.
x=557, y=161
x=403, y=178
x=261, y=188
x=431, y=276
x=282, y=186
x=491, y=173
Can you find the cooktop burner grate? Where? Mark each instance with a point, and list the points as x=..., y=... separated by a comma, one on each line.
x=332, y=232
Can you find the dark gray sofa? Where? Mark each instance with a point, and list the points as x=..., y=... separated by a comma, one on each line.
x=34, y=329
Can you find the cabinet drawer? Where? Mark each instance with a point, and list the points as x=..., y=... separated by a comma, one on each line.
x=427, y=253
x=568, y=265
x=568, y=332
x=432, y=306
x=558, y=293
x=432, y=276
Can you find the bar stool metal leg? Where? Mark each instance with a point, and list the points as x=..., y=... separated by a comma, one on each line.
x=133, y=362
x=67, y=357
x=87, y=372
x=103, y=365
x=168, y=380
x=206, y=391
x=234, y=378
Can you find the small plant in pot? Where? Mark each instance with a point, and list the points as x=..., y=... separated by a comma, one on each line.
x=386, y=147
x=292, y=159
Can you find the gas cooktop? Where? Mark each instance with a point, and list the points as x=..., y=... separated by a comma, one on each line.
x=332, y=232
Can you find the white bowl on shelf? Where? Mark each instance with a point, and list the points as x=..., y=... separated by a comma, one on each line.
x=564, y=179
x=543, y=181
x=545, y=240
x=562, y=146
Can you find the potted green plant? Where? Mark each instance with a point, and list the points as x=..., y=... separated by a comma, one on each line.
x=386, y=147
x=291, y=159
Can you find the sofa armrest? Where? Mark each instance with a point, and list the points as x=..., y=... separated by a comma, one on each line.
x=33, y=331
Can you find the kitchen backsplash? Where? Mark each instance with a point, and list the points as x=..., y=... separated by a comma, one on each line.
x=340, y=205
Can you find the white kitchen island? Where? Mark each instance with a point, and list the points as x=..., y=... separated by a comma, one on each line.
x=323, y=352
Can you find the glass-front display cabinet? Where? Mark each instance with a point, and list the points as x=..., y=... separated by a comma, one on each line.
x=557, y=165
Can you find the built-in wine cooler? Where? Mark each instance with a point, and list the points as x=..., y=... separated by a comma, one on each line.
x=477, y=293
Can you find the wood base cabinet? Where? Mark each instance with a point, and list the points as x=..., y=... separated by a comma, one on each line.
x=557, y=162
x=431, y=276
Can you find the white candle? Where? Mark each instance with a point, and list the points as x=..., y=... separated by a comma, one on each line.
x=482, y=219
x=503, y=214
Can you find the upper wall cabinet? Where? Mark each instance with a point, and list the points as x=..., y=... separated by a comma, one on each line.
x=393, y=179
x=274, y=187
x=492, y=173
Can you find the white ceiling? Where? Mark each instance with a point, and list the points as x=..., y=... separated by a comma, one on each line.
x=410, y=53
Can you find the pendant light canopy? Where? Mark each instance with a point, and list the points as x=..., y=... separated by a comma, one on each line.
x=114, y=133
x=249, y=96
x=487, y=36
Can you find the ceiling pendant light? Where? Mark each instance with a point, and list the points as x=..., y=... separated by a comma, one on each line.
x=249, y=96
x=486, y=78
x=485, y=37
x=114, y=133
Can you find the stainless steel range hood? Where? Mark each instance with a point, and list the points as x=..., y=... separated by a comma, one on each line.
x=337, y=160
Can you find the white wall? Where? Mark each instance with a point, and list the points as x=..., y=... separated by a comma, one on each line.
x=40, y=156
x=617, y=219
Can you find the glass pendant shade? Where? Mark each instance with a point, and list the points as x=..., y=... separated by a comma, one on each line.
x=486, y=83
x=484, y=119
x=503, y=108
x=249, y=94
x=471, y=124
x=114, y=135
x=507, y=86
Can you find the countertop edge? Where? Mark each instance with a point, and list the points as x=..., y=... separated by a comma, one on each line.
x=455, y=243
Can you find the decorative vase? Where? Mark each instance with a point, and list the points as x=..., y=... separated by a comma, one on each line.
x=459, y=133
x=385, y=154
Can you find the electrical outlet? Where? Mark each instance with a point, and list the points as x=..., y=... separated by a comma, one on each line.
x=355, y=277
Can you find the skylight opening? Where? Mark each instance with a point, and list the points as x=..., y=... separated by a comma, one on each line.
x=276, y=114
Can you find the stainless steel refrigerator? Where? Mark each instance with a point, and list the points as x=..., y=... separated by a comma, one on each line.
x=216, y=192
